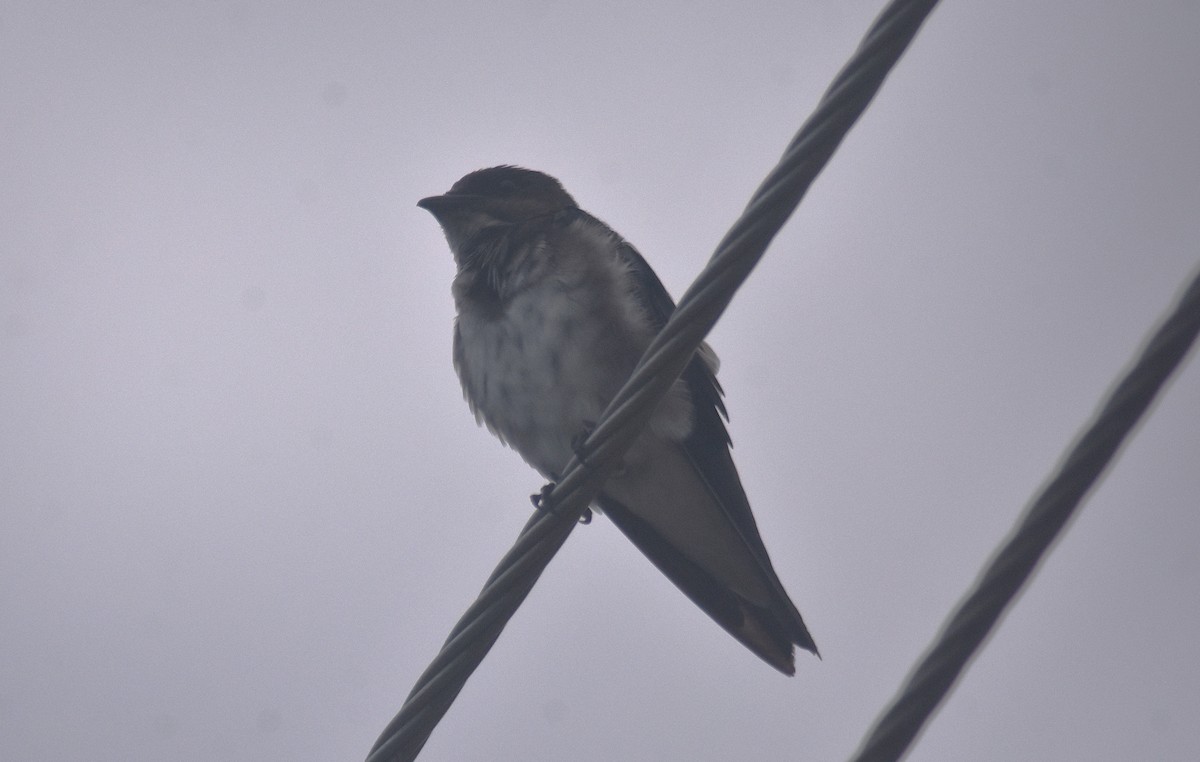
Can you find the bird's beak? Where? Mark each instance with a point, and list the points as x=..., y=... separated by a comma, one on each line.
x=439, y=206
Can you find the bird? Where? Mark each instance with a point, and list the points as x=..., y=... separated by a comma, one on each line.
x=554, y=309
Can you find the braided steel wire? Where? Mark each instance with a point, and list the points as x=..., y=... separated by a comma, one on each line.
x=1011, y=567
x=697, y=312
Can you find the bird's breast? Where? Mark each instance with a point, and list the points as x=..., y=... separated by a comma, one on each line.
x=541, y=366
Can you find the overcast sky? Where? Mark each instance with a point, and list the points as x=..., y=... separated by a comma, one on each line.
x=242, y=501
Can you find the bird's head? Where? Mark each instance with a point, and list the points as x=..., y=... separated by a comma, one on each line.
x=495, y=196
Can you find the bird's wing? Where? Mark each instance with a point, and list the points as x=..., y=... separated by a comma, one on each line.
x=762, y=628
x=709, y=443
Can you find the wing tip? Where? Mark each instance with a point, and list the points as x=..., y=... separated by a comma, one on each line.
x=773, y=638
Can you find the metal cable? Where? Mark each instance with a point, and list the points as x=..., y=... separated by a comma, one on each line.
x=665, y=359
x=1011, y=567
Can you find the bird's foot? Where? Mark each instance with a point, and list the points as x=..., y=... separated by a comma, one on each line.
x=579, y=439
x=541, y=501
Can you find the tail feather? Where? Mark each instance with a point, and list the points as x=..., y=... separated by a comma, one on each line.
x=770, y=631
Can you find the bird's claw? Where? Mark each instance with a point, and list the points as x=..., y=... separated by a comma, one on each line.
x=541, y=501
x=579, y=439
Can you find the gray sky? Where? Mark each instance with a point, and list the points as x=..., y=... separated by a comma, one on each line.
x=243, y=501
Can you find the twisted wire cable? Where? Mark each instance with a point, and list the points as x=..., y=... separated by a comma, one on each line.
x=969, y=625
x=697, y=312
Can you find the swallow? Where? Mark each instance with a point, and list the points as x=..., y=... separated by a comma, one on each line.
x=554, y=309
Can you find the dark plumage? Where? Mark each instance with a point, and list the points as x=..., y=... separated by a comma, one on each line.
x=554, y=310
